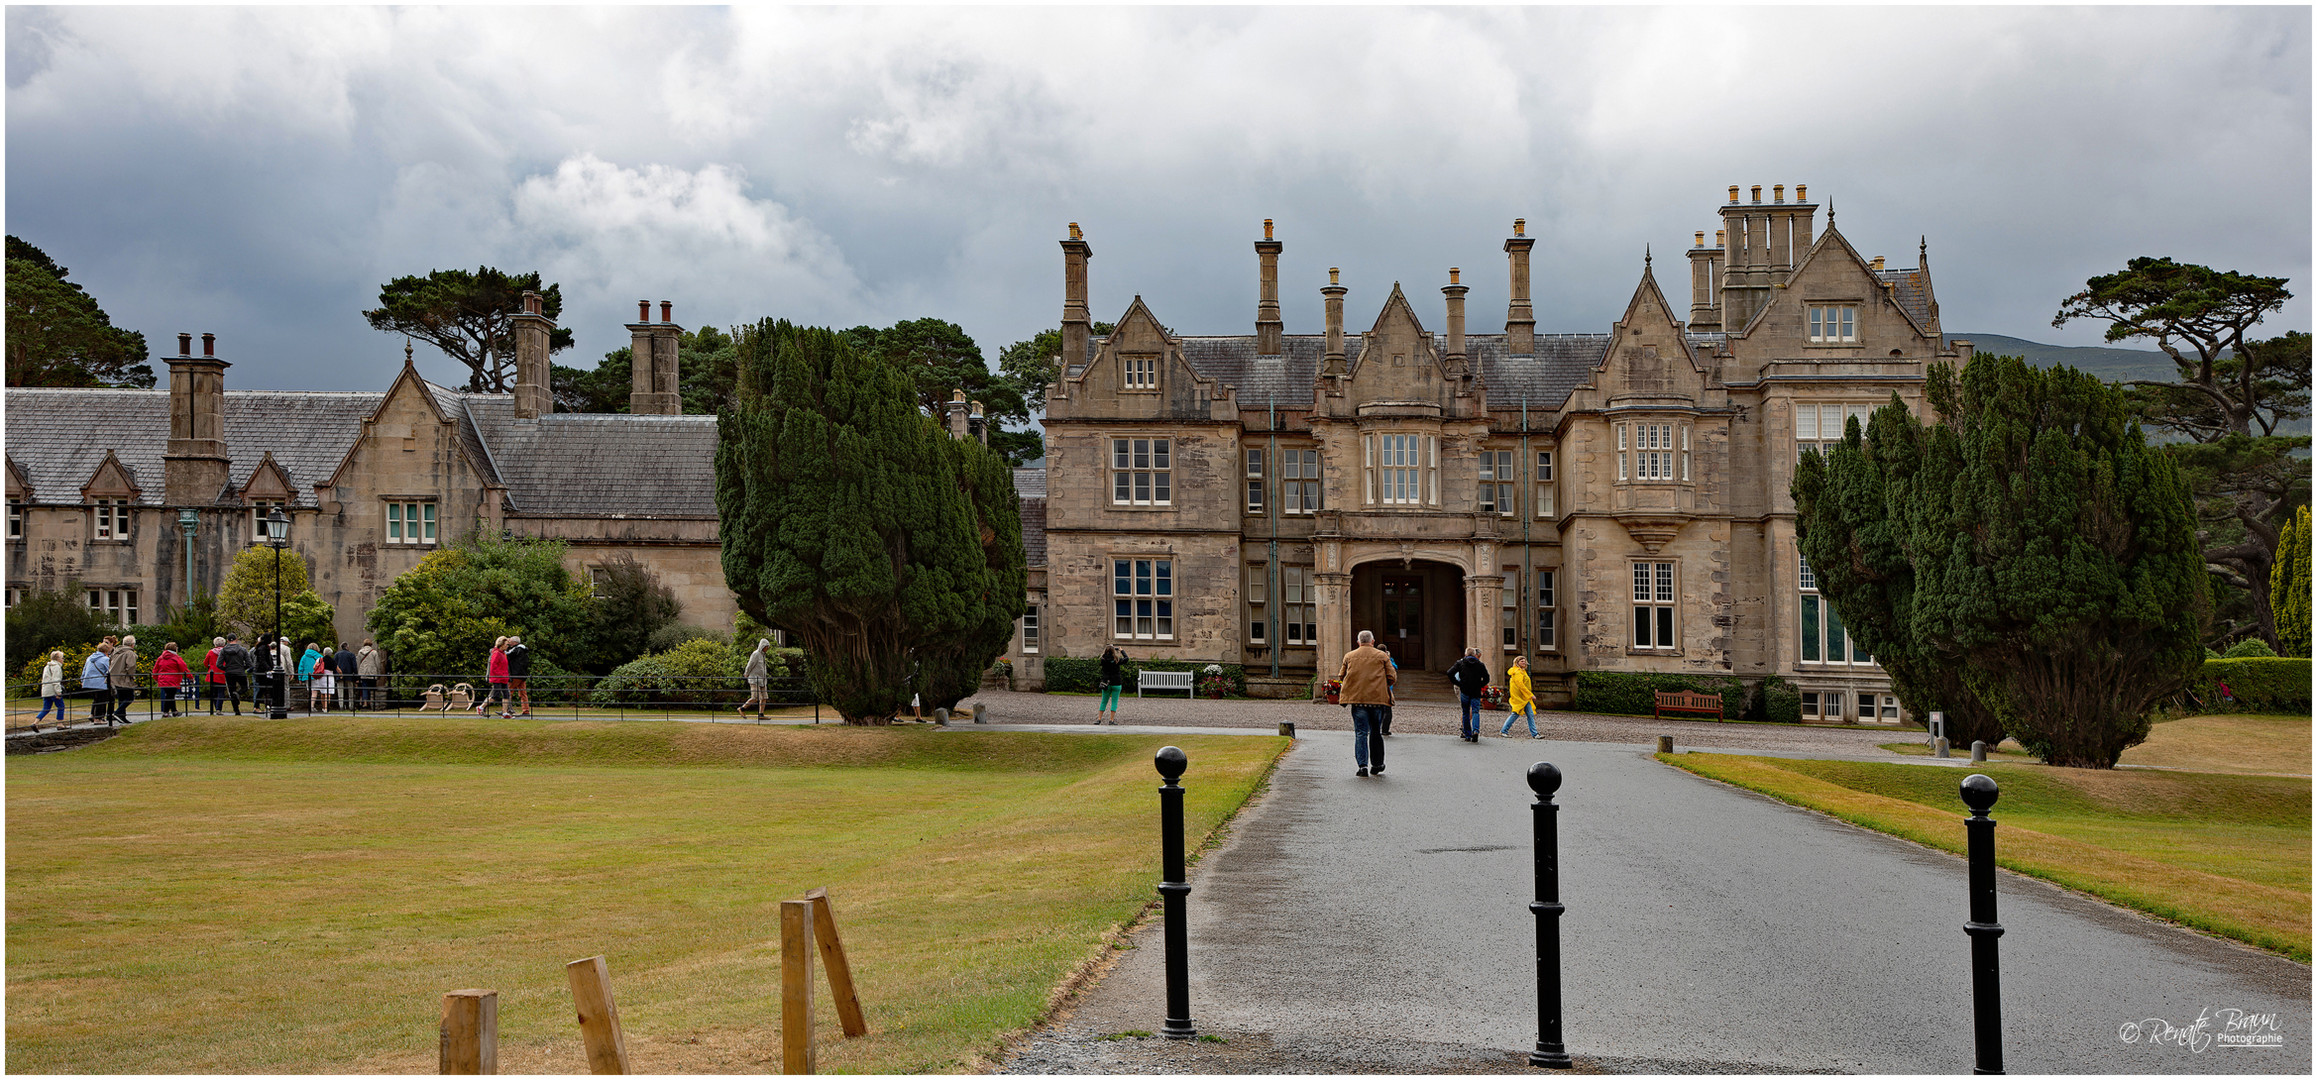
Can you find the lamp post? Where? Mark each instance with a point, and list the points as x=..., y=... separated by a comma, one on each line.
x=277, y=537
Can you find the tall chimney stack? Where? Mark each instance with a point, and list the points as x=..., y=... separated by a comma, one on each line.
x=1334, y=292
x=1520, y=321
x=1077, y=324
x=194, y=467
x=1267, y=328
x=1705, y=272
x=653, y=386
x=1454, y=291
x=533, y=329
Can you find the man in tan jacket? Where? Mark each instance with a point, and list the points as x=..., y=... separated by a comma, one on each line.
x=1367, y=680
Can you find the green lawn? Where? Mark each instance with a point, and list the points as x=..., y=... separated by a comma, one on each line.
x=296, y=896
x=2226, y=853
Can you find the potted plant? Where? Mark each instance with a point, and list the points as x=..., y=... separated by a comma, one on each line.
x=1492, y=697
x=1332, y=691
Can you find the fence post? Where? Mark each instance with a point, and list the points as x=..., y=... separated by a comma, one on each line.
x=599, y=1030
x=470, y=1033
x=1979, y=793
x=1544, y=779
x=796, y=986
x=840, y=970
x=1175, y=889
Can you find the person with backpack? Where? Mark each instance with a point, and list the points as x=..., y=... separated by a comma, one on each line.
x=234, y=662
x=313, y=670
x=1470, y=676
x=1113, y=680
x=518, y=672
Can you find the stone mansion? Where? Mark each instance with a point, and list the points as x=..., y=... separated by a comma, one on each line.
x=1611, y=501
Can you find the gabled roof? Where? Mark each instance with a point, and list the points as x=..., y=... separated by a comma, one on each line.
x=1910, y=287
x=1918, y=316
x=1545, y=377
x=59, y=437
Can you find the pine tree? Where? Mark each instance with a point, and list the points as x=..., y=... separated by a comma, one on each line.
x=888, y=552
x=2289, y=586
x=1859, y=551
x=2055, y=556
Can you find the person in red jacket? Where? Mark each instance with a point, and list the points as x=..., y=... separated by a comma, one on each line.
x=216, y=677
x=497, y=673
x=169, y=671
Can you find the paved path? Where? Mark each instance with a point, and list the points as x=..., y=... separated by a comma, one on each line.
x=1379, y=925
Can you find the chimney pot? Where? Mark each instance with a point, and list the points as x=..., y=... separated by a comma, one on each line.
x=1334, y=275
x=1267, y=228
x=667, y=311
x=1777, y=193
x=1520, y=226
x=533, y=303
x=1074, y=233
x=1452, y=272
x=1801, y=193
x=957, y=395
x=209, y=345
x=1757, y=193
x=1718, y=238
x=184, y=344
x=1733, y=193
x=1878, y=262
x=1701, y=240
x=976, y=412
x=643, y=311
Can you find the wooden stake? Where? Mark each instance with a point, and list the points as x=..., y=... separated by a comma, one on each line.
x=607, y=1046
x=796, y=986
x=470, y=1033
x=840, y=972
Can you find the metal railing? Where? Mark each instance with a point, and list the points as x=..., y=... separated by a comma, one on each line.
x=564, y=697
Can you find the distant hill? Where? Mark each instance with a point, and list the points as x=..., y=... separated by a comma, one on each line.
x=2108, y=363
x=2113, y=365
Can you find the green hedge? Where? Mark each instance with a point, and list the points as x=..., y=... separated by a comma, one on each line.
x=1635, y=693
x=1079, y=674
x=2259, y=684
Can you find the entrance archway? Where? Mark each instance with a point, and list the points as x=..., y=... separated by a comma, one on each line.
x=1417, y=608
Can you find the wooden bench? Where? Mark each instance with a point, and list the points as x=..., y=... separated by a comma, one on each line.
x=1687, y=701
x=1163, y=680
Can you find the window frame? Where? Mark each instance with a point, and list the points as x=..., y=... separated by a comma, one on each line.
x=1138, y=373
x=15, y=519
x=1814, y=436
x=1298, y=604
x=1300, y=491
x=1498, y=492
x=1255, y=480
x=1142, y=598
x=1149, y=484
x=1831, y=322
x=114, y=603
x=1509, y=609
x=1656, y=602
x=109, y=521
x=1030, y=629
x=1548, y=636
x=1258, y=600
x=403, y=516
x=1816, y=622
x=258, y=509
x=1544, y=501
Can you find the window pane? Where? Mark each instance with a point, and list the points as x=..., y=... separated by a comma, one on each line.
x=1142, y=487
x=1118, y=453
x=428, y=509
x=1665, y=582
x=1834, y=638
x=1545, y=630
x=1810, y=628
x=1641, y=581
x=1158, y=453
x=1165, y=490
x=1125, y=619
x=1665, y=628
x=1805, y=423
x=1254, y=463
x=1640, y=627
x=393, y=521
x=1166, y=577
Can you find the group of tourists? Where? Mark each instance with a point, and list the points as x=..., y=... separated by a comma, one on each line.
x=508, y=673
x=110, y=676
x=1368, y=677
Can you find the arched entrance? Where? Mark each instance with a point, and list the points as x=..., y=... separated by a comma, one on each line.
x=1416, y=607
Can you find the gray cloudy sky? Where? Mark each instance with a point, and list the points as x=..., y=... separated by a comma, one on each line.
x=258, y=172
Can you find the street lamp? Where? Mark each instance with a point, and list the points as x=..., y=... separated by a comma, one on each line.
x=277, y=529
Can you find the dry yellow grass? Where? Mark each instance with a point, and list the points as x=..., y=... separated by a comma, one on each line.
x=296, y=896
x=2277, y=745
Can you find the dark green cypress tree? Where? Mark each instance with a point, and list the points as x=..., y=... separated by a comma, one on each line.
x=2289, y=586
x=851, y=521
x=1856, y=541
x=2055, y=557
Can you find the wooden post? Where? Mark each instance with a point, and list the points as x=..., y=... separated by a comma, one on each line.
x=840, y=971
x=796, y=986
x=607, y=1046
x=470, y=1033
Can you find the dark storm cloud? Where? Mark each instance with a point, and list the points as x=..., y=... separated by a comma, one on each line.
x=258, y=172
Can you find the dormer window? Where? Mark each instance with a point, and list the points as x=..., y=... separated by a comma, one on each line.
x=1141, y=372
x=111, y=519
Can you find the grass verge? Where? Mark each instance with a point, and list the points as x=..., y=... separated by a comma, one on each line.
x=2226, y=854
x=295, y=896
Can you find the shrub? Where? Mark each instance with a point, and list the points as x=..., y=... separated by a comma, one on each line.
x=1634, y=693
x=27, y=681
x=2277, y=684
x=47, y=617
x=1775, y=701
x=2251, y=646
x=702, y=672
x=670, y=635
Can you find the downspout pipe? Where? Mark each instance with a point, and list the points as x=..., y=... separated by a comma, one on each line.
x=1271, y=564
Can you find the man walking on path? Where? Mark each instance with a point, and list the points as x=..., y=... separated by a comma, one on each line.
x=1471, y=679
x=124, y=678
x=1366, y=678
x=371, y=664
x=343, y=664
x=234, y=661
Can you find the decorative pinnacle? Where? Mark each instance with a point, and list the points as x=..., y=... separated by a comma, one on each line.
x=1645, y=255
x=406, y=348
x=1544, y=779
x=1171, y=762
x=1979, y=793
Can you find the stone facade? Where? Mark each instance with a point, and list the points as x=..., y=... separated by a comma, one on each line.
x=102, y=483
x=1596, y=501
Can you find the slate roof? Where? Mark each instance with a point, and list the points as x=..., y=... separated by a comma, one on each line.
x=1560, y=365
x=1030, y=483
x=1907, y=288
x=595, y=465
x=1034, y=531
x=59, y=437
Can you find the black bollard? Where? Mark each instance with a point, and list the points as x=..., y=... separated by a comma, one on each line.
x=1175, y=889
x=1979, y=794
x=1544, y=779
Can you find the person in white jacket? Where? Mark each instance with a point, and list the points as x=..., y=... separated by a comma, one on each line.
x=51, y=689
